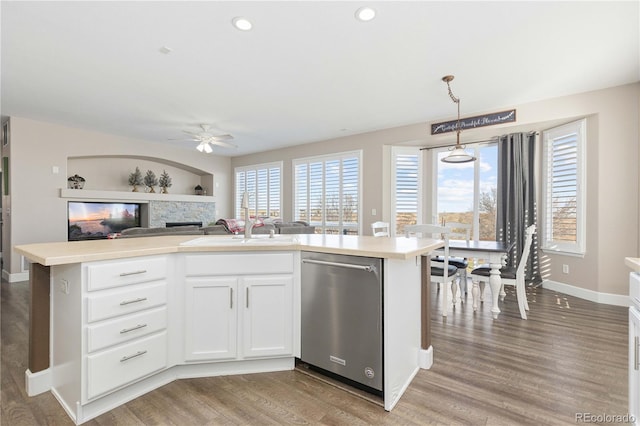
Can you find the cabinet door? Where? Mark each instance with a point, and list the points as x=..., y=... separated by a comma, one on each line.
x=634, y=362
x=210, y=318
x=268, y=316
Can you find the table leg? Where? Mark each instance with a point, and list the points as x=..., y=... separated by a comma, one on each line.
x=495, y=282
x=475, y=292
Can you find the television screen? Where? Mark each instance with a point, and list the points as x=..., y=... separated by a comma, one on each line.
x=90, y=220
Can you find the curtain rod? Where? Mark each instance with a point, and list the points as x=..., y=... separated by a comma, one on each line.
x=492, y=139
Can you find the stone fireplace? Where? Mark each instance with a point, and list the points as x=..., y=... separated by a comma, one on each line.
x=161, y=212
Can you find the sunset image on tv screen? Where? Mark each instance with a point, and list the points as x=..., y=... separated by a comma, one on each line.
x=89, y=220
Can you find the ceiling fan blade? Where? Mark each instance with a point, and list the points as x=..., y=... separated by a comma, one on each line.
x=222, y=137
x=224, y=144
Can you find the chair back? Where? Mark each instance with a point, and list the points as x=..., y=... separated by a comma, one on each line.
x=459, y=230
x=433, y=231
x=380, y=229
x=528, y=239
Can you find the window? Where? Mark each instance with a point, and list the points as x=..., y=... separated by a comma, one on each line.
x=563, y=187
x=327, y=192
x=467, y=192
x=264, y=185
x=406, y=187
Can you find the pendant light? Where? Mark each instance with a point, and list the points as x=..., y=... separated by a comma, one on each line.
x=458, y=154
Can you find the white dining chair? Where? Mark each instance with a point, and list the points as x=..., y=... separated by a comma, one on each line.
x=380, y=229
x=509, y=276
x=459, y=231
x=441, y=272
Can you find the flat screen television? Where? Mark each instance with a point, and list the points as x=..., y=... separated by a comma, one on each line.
x=93, y=220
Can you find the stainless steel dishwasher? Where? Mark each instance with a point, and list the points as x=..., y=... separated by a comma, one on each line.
x=342, y=317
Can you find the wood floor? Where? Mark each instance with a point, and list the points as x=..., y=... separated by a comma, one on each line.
x=569, y=357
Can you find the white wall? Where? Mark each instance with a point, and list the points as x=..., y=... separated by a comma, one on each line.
x=613, y=191
x=38, y=214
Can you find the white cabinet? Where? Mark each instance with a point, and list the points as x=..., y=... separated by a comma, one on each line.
x=268, y=316
x=246, y=315
x=123, y=327
x=125, y=323
x=634, y=347
x=210, y=318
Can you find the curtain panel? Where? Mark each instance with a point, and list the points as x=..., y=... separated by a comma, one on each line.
x=517, y=198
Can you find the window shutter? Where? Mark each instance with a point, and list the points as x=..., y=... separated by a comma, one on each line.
x=327, y=192
x=563, y=188
x=406, y=190
x=264, y=185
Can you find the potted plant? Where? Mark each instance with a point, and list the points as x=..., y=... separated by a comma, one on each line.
x=164, y=182
x=135, y=179
x=150, y=180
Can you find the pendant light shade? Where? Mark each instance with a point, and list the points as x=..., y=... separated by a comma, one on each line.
x=457, y=154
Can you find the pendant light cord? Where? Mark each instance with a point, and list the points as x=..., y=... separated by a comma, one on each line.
x=447, y=79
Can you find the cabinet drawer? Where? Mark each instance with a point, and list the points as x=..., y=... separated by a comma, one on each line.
x=115, y=367
x=110, y=274
x=239, y=264
x=109, y=304
x=121, y=330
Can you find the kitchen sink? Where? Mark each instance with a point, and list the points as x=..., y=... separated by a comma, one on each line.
x=233, y=240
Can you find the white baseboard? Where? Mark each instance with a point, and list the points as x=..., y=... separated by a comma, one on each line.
x=582, y=293
x=14, y=278
x=425, y=358
x=37, y=383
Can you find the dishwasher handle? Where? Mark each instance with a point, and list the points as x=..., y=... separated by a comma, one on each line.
x=368, y=268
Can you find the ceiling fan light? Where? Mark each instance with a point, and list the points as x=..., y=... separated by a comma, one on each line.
x=242, y=24
x=458, y=155
x=207, y=148
x=201, y=147
x=365, y=14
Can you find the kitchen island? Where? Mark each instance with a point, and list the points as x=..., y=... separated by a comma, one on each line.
x=113, y=319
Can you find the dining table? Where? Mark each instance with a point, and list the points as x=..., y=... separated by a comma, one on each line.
x=495, y=254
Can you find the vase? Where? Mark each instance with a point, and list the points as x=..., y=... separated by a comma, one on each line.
x=135, y=188
x=164, y=190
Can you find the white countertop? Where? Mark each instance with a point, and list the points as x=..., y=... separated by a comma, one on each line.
x=633, y=263
x=61, y=253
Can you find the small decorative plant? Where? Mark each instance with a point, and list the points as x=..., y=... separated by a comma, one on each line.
x=135, y=179
x=150, y=180
x=164, y=182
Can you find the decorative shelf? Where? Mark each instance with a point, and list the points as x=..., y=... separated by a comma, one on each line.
x=90, y=194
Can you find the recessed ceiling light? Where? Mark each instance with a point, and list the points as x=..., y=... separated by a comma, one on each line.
x=365, y=14
x=243, y=24
x=166, y=50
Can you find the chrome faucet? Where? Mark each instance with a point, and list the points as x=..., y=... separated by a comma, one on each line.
x=248, y=223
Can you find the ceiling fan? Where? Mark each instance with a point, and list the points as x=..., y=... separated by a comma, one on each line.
x=207, y=139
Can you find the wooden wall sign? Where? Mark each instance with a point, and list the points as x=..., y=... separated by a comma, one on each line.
x=473, y=122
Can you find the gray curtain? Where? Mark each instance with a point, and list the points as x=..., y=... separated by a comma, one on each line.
x=517, y=198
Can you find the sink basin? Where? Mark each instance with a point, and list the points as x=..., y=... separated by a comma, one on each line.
x=255, y=240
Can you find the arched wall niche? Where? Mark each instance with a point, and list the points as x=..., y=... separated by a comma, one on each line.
x=111, y=173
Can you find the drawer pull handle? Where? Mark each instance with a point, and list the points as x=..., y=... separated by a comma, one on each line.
x=636, y=360
x=126, y=274
x=137, y=327
x=230, y=298
x=137, y=354
x=128, y=302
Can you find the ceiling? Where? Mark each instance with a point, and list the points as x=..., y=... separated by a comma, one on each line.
x=307, y=71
